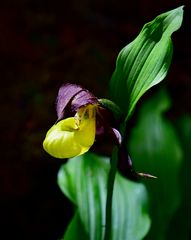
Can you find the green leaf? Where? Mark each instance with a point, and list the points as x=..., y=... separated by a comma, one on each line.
x=181, y=223
x=155, y=148
x=75, y=229
x=84, y=181
x=144, y=62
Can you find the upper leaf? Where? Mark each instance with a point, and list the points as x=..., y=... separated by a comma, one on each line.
x=144, y=62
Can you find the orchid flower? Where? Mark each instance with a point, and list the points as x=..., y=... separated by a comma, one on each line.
x=82, y=119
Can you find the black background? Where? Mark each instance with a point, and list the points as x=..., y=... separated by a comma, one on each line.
x=42, y=45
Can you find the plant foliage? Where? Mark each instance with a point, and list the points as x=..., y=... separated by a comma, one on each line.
x=145, y=61
x=84, y=181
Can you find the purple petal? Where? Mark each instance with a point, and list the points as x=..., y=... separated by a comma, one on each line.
x=106, y=127
x=117, y=135
x=125, y=165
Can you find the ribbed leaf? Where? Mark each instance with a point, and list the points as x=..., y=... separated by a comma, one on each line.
x=144, y=62
x=154, y=148
x=84, y=181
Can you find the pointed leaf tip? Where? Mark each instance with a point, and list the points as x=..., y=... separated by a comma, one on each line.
x=144, y=62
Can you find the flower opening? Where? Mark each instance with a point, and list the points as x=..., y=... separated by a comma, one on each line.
x=72, y=136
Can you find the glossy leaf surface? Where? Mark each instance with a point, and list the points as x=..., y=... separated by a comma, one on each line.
x=144, y=62
x=84, y=181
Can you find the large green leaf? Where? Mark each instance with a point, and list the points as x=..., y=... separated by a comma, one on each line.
x=144, y=62
x=155, y=148
x=84, y=181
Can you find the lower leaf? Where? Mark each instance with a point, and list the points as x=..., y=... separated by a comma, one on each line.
x=84, y=181
x=75, y=229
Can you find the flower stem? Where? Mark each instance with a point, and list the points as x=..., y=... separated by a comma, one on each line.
x=110, y=186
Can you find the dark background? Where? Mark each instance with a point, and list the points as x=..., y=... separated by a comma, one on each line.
x=42, y=45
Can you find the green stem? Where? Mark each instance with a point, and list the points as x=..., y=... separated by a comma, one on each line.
x=110, y=185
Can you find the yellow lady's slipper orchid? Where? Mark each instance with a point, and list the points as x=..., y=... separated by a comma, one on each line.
x=72, y=136
x=81, y=119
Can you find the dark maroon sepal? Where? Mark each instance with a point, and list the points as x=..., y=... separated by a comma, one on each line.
x=83, y=98
x=70, y=98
